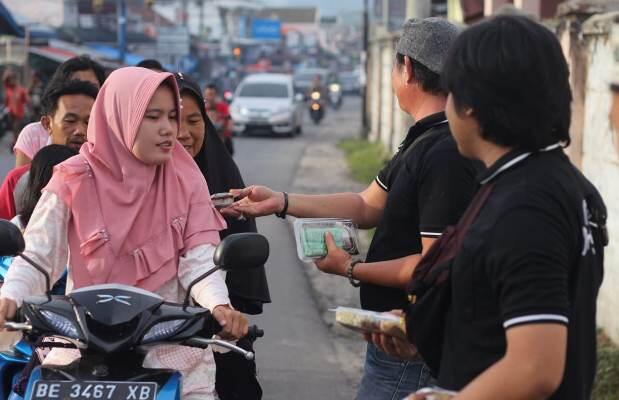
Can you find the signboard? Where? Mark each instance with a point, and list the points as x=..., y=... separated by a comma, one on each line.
x=266, y=29
x=173, y=41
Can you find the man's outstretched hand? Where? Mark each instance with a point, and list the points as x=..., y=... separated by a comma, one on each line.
x=255, y=201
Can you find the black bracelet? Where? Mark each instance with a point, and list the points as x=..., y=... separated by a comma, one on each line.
x=349, y=272
x=282, y=214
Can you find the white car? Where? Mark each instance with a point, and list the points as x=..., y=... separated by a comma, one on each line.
x=267, y=103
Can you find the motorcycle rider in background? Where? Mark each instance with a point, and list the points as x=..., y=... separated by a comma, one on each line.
x=219, y=113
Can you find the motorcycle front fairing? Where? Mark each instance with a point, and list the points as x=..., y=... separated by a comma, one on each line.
x=111, y=325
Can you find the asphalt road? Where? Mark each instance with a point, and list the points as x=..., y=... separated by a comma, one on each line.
x=296, y=358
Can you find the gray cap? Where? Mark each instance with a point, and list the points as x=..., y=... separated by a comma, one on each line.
x=427, y=41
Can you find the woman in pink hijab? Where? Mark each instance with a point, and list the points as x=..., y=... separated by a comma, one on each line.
x=133, y=209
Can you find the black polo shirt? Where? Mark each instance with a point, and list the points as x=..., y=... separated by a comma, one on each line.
x=533, y=255
x=429, y=186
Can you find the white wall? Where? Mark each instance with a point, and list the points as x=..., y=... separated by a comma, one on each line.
x=600, y=163
x=47, y=12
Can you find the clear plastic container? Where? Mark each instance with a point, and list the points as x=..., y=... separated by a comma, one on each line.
x=310, y=237
x=222, y=200
x=370, y=321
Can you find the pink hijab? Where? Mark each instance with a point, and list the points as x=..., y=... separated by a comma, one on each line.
x=130, y=222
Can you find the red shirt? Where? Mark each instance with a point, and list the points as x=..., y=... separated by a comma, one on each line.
x=7, y=202
x=222, y=113
x=16, y=99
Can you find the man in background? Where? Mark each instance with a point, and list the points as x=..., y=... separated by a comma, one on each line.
x=219, y=113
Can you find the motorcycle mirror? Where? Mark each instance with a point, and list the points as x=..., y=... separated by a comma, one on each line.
x=239, y=251
x=242, y=251
x=12, y=244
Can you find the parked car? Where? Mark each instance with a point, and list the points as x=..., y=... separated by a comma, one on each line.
x=266, y=103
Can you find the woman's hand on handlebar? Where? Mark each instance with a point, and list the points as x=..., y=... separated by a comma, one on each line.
x=8, y=309
x=234, y=324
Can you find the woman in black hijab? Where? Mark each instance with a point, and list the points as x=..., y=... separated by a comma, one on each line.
x=248, y=289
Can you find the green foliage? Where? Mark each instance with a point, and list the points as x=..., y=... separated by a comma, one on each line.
x=365, y=159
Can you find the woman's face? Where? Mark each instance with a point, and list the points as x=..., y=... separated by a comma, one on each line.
x=193, y=127
x=156, y=136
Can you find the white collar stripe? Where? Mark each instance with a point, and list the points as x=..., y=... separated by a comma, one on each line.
x=517, y=160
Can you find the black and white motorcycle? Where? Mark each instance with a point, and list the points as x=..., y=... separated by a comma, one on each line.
x=112, y=326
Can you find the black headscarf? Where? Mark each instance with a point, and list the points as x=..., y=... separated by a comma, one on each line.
x=248, y=289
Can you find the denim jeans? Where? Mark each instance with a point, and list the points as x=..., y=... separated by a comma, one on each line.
x=389, y=378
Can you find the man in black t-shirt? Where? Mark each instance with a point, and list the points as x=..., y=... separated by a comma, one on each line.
x=425, y=187
x=521, y=317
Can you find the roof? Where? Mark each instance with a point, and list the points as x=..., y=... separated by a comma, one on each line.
x=8, y=25
x=290, y=15
x=98, y=35
x=271, y=78
x=53, y=53
x=149, y=15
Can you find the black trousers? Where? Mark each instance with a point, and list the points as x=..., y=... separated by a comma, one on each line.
x=236, y=377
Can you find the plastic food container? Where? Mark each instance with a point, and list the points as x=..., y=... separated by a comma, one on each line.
x=370, y=321
x=222, y=200
x=310, y=237
x=437, y=393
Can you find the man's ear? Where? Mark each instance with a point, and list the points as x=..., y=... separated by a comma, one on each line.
x=46, y=122
x=408, y=68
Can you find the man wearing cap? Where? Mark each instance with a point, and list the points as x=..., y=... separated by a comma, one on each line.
x=424, y=188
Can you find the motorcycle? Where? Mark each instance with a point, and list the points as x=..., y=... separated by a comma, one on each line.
x=5, y=121
x=13, y=362
x=317, y=111
x=111, y=325
x=335, y=96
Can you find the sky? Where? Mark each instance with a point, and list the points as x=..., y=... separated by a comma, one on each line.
x=327, y=7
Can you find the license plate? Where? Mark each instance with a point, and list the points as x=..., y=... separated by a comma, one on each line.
x=96, y=390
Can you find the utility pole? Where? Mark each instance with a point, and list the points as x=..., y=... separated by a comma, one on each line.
x=185, y=15
x=121, y=12
x=365, y=63
x=201, y=32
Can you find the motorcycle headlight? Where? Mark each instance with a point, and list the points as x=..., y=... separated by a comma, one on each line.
x=316, y=96
x=334, y=87
x=62, y=325
x=162, y=330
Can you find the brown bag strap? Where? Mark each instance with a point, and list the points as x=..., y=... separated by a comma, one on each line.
x=432, y=267
x=471, y=212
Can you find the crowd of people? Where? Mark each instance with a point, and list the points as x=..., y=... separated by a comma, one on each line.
x=120, y=148
x=488, y=240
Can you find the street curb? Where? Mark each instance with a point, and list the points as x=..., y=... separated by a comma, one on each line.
x=323, y=169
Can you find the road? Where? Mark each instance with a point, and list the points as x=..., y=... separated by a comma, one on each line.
x=296, y=358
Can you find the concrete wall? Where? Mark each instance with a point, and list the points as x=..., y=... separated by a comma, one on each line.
x=589, y=49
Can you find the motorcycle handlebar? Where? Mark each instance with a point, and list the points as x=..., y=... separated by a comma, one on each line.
x=212, y=327
x=254, y=333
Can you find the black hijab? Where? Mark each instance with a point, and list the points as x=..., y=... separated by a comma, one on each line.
x=248, y=289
